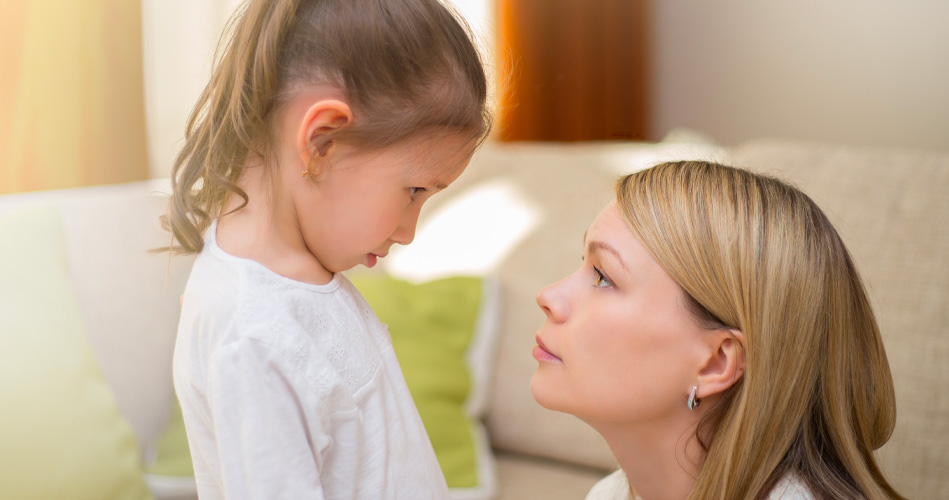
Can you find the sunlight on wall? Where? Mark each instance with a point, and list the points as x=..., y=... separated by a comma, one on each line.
x=628, y=161
x=470, y=235
x=480, y=16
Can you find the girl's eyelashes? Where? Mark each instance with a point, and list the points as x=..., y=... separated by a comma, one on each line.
x=415, y=190
x=602, y=281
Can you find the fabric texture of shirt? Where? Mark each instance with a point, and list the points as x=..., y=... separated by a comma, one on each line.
x=616, y=487
x=292, y=390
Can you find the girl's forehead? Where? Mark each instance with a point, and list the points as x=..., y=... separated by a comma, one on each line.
x=440, y=153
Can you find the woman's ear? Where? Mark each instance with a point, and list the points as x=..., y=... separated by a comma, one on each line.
x=725, y=362
x=321, y=118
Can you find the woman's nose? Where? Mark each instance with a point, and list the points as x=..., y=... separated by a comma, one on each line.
x=551, y=301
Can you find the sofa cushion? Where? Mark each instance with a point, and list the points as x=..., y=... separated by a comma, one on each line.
x=127, y=295
x=523, y=477
x=169, y=469
x=110, y=233
x=62, y=434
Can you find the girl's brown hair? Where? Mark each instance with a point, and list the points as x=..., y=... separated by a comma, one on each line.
x=404, y=67
x=753, y=253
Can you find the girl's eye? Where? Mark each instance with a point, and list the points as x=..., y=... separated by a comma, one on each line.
x=601, y=280
x=415, y=190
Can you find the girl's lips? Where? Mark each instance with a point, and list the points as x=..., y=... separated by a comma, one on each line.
x=541, y=353
x=373, y=258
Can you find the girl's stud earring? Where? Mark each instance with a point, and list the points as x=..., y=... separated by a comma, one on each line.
x=693, y=402
x=304, y=173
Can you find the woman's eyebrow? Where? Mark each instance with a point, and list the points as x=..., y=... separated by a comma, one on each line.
x=594, y=246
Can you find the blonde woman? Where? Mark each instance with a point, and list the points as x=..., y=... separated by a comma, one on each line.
x=719, y=337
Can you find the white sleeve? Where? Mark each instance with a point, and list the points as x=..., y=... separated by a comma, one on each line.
x=263, y=437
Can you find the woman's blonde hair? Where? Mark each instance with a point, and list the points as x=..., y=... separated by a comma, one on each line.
x=753, y=253
x=404, y=67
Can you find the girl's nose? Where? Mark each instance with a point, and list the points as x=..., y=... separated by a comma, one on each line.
x=551, y=301
x=405, y=233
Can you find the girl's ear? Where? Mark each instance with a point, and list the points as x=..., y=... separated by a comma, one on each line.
x=725, y=363
x=320, y=119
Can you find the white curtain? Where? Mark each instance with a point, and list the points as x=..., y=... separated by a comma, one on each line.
x=178, y=41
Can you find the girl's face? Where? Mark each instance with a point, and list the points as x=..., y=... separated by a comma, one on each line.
x=618, y=342
x=360, y=204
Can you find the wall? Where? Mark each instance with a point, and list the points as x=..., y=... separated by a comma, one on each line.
x=865, y=72
x=850, y=71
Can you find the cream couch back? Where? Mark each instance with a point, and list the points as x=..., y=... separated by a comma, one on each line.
x=890, y=207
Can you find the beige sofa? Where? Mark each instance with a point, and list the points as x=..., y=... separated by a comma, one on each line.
x=890, y=206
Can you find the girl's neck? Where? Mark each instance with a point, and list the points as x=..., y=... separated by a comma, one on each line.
x=266, y=230
x=661, y=461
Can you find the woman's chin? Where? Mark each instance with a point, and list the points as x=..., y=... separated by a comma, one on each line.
x=542, y=393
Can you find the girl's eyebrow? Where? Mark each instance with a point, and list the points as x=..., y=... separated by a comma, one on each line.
x=434, y=183
x=594, y=246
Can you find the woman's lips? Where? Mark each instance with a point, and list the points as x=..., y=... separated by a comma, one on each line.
x=542, y=354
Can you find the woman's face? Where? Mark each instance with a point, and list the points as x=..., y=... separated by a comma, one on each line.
x=619, y=344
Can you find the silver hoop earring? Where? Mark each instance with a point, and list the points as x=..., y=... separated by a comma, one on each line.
x=693, y=402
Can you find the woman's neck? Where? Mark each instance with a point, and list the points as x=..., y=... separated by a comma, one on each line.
x=661, y=461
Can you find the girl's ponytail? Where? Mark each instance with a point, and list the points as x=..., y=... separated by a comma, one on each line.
x=229, y=121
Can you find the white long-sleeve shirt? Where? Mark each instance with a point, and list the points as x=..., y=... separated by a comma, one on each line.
x=292, y=390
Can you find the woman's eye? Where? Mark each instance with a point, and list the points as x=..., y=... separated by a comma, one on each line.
x=415, y=190
x=601, y=280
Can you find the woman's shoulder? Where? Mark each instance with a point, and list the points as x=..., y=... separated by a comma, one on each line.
x=616, y=487
x=790, y=487
x=612, y=487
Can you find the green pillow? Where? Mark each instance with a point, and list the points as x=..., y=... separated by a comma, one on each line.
x=170, y=471
x=171, y=456
x=432, y=325
x=61, y=432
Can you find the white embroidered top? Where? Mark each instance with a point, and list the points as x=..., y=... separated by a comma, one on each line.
x=292, y=390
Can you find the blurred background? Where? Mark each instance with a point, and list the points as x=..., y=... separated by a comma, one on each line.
x=98, y=91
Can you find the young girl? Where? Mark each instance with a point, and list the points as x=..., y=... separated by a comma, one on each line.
x=325, y=127
x=719, y=337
